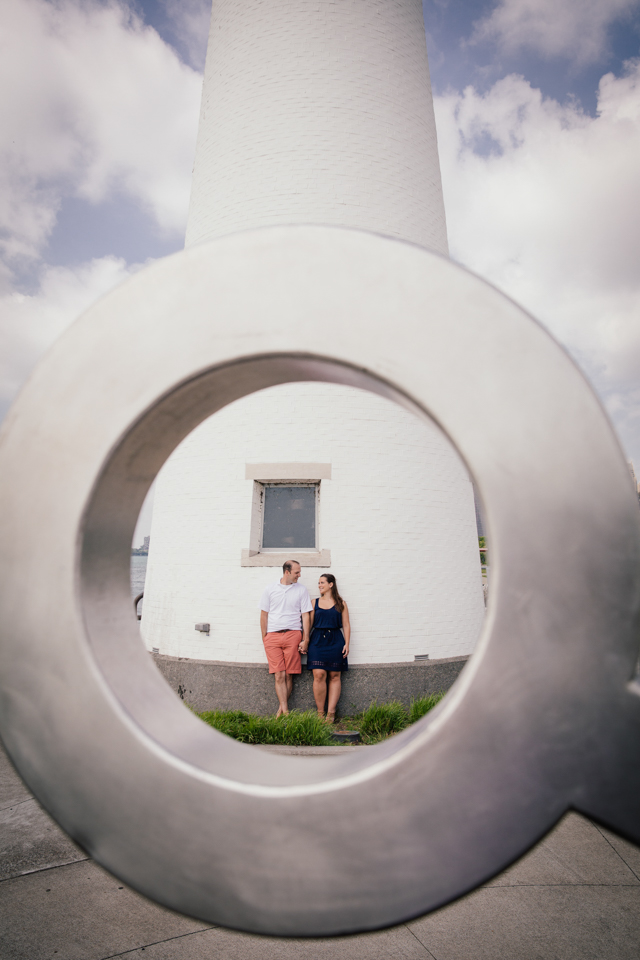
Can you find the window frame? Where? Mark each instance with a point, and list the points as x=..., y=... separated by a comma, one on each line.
x=315, y=485
x=288, y=475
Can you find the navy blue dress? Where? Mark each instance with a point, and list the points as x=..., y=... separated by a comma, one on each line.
x=327, y=641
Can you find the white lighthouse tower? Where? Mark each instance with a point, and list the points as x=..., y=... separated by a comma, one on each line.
x=316, y=112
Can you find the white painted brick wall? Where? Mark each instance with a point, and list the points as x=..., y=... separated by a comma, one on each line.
x=397, y=516
x=317, y=111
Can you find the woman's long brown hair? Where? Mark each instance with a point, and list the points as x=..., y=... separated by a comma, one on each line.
x=337, y=599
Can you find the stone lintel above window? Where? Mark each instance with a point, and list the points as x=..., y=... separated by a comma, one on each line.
x=281, y=472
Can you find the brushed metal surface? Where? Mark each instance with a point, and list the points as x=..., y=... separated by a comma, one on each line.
x=546, y=717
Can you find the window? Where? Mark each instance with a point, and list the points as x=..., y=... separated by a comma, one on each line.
x=285, y=513
x=289, y=516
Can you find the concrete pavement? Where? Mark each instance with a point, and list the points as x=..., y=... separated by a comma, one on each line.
x=576, y=896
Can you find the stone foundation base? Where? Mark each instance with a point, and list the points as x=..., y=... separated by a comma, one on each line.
x=220, y=685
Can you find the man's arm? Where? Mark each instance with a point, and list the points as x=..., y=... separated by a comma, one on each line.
x=264, y=620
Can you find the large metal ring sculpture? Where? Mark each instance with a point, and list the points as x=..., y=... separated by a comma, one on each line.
x=545, y=718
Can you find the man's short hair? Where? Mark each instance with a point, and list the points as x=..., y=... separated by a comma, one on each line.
x=287, y=566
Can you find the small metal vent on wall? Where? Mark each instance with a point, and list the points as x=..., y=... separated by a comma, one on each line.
x=421, y=656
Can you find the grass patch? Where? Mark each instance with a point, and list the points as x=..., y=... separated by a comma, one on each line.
x=295, y=730
x=422, y=705
x=380, y=720
x=376, y=723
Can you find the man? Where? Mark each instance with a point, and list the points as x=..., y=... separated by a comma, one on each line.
x=284, y=622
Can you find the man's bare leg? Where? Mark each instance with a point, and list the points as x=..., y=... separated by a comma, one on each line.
x=320, y=690
x=283, y=689
x=335, y=688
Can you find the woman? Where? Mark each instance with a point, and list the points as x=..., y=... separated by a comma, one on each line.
x=328, y=647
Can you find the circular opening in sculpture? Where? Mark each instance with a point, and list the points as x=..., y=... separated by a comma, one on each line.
x=110, y=519
x=350, y=486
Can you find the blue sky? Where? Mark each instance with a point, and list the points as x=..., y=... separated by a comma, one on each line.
x=538, y=112
x=477, y=42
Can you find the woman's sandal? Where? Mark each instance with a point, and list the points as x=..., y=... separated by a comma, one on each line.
x=331, y=718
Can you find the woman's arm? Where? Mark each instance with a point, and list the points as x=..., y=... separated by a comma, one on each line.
x=346, y=627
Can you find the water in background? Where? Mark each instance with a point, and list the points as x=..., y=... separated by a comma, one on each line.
x=138, y=574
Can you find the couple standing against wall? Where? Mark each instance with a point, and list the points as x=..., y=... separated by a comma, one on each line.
x=292, y=625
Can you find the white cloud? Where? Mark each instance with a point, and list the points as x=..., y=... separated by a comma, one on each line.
x=92, y=102
x=30, y=323
x=190, y=21
x=544, y=201
x=577, y=29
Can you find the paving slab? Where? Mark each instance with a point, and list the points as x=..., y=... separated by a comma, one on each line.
x=12, y=789
x=30, y=840
x=540, y=866
x=578, y=843
x=575, y=852
x=80, y=912
x=627, y=852
x=577, y=922
x=219, y=944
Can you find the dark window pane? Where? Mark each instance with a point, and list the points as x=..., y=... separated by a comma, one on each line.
x=289, y=517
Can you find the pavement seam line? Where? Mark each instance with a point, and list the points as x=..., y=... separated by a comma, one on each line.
x=583, y=883
x=155, y=943
x=17, y=803
x=416, y=937
x=628, y=865
x=54, y=866
x=562, y=863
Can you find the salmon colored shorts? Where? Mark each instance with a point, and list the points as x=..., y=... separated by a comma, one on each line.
x=282, y=651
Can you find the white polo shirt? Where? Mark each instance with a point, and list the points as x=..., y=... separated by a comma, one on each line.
x=285, y=606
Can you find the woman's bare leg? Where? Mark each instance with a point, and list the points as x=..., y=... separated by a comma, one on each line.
x=320, y=690
x=335, y=688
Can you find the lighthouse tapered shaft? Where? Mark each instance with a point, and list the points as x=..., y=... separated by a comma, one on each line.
x=317, y=111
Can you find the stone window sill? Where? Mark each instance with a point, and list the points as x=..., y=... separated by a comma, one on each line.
x=306, y=558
